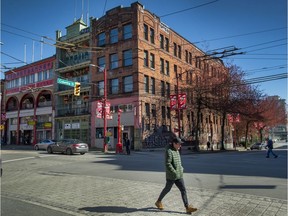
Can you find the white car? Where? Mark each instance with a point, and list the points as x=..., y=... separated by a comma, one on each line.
x=44, y=144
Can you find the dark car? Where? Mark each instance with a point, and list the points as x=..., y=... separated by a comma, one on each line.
x=68, y=146
x=257, y=146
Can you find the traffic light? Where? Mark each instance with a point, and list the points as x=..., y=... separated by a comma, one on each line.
x=77, y=89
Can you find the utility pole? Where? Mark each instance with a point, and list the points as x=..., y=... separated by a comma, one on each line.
x=178, y=104
x=104, y=112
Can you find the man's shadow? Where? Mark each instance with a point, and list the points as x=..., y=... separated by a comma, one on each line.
x=120, y=209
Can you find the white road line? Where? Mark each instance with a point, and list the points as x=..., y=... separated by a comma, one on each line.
x=26, y=158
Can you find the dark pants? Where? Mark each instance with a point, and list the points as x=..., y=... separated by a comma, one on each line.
x=128, y=149
x=180, y=184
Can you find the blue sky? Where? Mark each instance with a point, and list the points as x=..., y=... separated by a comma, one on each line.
x=256, y=27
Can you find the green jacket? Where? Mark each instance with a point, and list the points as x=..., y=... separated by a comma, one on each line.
x=174, y=169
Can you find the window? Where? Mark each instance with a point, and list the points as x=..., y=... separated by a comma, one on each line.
x=152, y=35
x=101, y=39
x=146, y=83
x=186, y=56
x=127, y=31
x=162, y=88
x=163, y=112
x=167, y=72
x=147, y=109
x=100, y=88
x=114, y=86
x=40, y=76
x=101, y=63
x=128, y=84
x=153, y=110
x=161, y=65
x=190, y=58
x=161, y=41
x=175, y=49
x=168, y=112
x=152, y=60
x=145, y=32
x=113, y=61
x=168, y=89
x=179, y=52
x=152, y=85
x=114, y=35
x=127, y=57
x=167, y=44
x=145, y=58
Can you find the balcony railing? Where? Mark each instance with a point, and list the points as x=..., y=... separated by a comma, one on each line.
x=64, y=111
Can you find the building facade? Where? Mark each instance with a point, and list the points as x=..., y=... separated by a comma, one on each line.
x=72, y=113
x=146, y=63
x=28, y=103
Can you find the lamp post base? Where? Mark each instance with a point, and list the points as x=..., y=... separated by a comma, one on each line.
x=119, y=148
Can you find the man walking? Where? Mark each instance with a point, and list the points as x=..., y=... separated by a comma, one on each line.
x=270, y=147
x=174, y=175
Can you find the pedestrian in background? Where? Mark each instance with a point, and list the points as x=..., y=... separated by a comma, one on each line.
x=127, y=145
x=174, y=175
x=208, y=145
x=270, y=148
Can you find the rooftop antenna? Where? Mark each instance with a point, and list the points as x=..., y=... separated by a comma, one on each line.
x=87, y=15
x=25, y=53
x=41, y=48
x=33, y=46
x=75, y=10
x=82, y=9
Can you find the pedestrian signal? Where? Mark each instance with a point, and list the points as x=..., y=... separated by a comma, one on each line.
x=77, y=89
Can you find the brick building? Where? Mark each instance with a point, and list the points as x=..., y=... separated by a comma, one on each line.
x=146, y=62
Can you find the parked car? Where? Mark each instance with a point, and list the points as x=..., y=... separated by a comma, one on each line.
x=44, y=144
x=68, y=146
x=257, y=146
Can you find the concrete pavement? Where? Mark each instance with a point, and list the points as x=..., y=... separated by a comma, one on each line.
x=93, y=195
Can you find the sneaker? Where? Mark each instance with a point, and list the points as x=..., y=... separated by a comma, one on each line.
x=159, y=205
x=267, y=156
x=190, y=209
x=276, y=156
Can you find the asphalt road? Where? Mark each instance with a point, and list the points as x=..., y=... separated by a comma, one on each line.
x=247, y=172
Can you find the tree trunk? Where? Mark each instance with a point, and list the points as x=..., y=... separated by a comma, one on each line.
x=222, y=147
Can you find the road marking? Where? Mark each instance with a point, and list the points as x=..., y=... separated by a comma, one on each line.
x=26, y=158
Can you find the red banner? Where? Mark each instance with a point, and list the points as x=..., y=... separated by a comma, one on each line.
x=99, y=110
x=173, y=102
x=182, y=101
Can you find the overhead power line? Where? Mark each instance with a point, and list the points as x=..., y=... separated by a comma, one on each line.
x=176, y=12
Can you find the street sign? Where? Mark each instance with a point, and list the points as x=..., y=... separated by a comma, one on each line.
x=65, y=82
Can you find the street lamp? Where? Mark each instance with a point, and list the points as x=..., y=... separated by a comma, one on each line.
x=104, y=113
